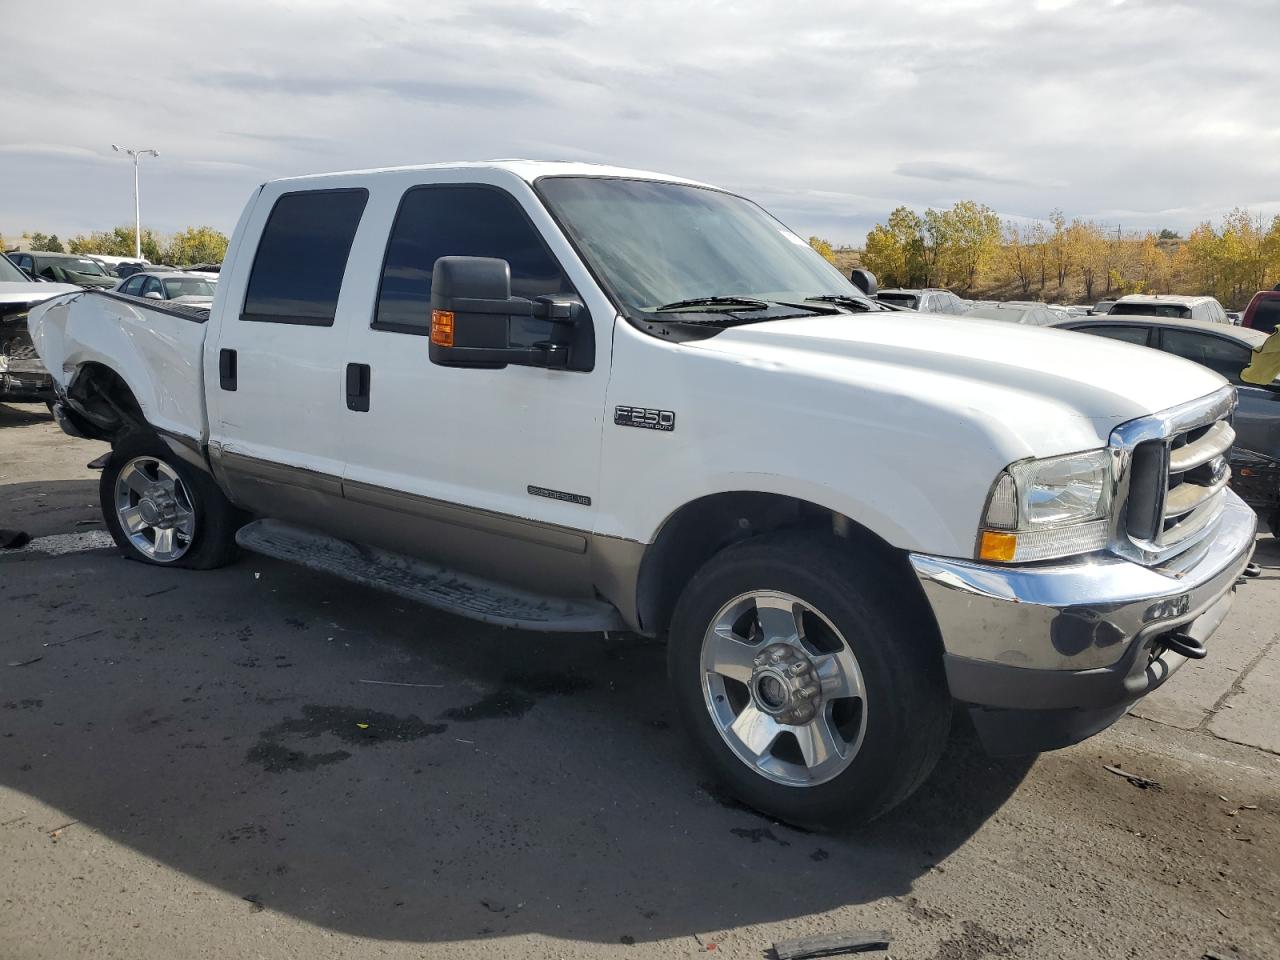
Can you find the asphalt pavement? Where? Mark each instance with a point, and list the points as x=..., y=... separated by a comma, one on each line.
x=261, y=761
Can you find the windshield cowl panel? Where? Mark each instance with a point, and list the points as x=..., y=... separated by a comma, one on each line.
x=655, y=243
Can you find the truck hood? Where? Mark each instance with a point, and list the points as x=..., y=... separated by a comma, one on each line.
x=1056, y=390
x=15, y=291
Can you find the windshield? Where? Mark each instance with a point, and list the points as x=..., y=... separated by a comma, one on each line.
x=81, y=265
x=1174, y=310
x=653, y=243
x=187, y=287
x=9, y=273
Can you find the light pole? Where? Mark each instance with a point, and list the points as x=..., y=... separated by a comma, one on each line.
x=137, y=205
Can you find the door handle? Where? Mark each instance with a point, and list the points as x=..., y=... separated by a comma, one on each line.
x=358, y=387
x=227, y=369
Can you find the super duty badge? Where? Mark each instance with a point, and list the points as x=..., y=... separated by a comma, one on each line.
x=644, y=417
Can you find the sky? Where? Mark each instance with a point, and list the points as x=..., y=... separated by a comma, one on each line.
x=1140, y=113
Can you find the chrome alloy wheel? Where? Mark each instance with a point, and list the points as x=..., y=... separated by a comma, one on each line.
x=783, y=688
x=154, y=509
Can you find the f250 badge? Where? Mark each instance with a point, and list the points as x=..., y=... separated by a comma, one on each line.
x=646, y=418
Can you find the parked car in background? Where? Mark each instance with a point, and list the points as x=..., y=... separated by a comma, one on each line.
x=22, y=375
x=1263, y=311
x=1172, y=306
x=1101, y=307
x=83, y=271
x=213, y=268
x=179, y=286
x=1026, y=312
x=1226, y=350
x=925, y=300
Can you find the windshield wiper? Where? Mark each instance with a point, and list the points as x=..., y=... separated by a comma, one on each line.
x=738, y=303
x=844, y=300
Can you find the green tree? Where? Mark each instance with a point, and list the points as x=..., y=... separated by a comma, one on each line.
x=207, y=245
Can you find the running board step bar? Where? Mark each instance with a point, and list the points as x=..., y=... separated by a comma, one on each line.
x=459, y=593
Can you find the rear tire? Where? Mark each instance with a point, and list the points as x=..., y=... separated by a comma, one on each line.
x=856, y=701
x=161, y=510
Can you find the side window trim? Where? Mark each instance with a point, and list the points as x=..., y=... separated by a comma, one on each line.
x=391, y=326
x=294, y=320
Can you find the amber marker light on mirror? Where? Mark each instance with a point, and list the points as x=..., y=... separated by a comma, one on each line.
x=998, y=546
x=442, y=328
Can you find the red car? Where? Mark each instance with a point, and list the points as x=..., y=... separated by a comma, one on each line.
x=1263, y=311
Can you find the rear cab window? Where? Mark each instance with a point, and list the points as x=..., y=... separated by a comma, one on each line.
x=1266, y=315
x=900, y=299
x=302, y=256
x=1175, y=311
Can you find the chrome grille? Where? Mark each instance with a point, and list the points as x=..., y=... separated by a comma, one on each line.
x=1172, y=476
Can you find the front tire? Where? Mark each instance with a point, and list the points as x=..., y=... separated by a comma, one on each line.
x=161, y=510
x=808, y=679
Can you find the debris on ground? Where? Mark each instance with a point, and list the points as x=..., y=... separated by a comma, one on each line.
x=256, y=901
x=13, y=539
x=831, y=944
x=1243, y=806
x=401, y=683
x=85, y=523
x=80, y=636
x=23, y=663
x=1142, y=783
x=56, y=832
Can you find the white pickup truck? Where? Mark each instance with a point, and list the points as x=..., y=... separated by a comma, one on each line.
x=574, y=398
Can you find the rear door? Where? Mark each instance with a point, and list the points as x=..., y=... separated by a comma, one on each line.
x=491, y=471
x=276, y=390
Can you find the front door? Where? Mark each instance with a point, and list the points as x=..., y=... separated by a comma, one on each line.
x=489, y=471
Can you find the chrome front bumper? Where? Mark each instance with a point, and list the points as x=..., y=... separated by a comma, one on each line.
x=1081, y=635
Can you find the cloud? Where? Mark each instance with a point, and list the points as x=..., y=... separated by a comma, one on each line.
x=1135, y=110
x=948, y=172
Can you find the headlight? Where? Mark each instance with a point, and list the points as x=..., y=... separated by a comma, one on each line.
x=1042, y=509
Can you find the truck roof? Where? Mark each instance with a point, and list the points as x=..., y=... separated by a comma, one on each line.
x=528, y=170
x=1162, y=298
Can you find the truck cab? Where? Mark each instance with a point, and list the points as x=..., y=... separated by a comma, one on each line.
x=575, y=398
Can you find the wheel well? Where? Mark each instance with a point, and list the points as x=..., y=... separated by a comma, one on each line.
x=102, y=404
x=701, y=529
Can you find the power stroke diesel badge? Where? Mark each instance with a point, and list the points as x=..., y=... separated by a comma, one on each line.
x=646, y=418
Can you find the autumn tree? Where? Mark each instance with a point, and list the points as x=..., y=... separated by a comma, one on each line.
x=895, y=250
x=207, y=245
x=970, y=240
x=1017, y=257
x=1089, y=252
x=117, y=242
x=1059, y=247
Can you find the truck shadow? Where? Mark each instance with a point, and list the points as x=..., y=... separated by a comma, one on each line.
x=22, y=414
x=222, y=724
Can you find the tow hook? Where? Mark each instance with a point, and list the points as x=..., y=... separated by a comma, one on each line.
x=1184, y=645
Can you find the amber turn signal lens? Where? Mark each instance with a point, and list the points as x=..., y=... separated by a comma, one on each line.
x=442, y=328
x=997, y=546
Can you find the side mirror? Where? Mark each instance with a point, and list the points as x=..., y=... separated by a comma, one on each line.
x=472, y=311
x=153, y=295
x=864, y=280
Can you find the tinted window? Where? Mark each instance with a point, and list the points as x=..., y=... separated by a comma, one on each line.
x=1175, y=311
x=151, y=285
x=435, y=222
x=131, y=286
x=1136, y=335
x=1266, y=315
x=1217, y=353
x=10, y=273
x=900, y=299
x=297, y=271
